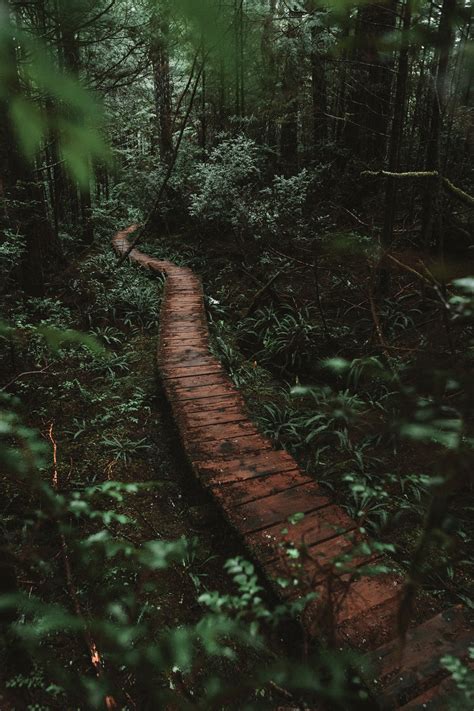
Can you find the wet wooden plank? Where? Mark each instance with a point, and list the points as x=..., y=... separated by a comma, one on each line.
x=317, y=562
x=182, y=299
x=176, y=347
x=222, y=415
x=183, y=353
x=360, y=613
x=181, y=319
x=241, y=492
x=173, y=327
x=438, y=698
x=171, y=365
x=215, y=402
x=203, y=392
x=245, y=467
x=227, y=449
x=182, y=327
x=316, y=527
x=172, y=340
x=187, y=305
x=184, y=357
x=221, y=431
x=368, y=593
x=171, y=373
x=183, y=338
x=400, y=678
x=273, y=509
x=200, y=407
x=173, y=334
x=194, y=381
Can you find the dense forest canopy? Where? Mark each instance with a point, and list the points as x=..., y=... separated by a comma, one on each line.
x=312, y=162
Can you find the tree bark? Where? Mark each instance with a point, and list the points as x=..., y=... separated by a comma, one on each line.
x=270, y=133
x=397, y=129
x=159, y=51
x=23, y=208
x=289, y=124
x=432, y=228
x=369, y=101
x=70, y=21
x=318, y=92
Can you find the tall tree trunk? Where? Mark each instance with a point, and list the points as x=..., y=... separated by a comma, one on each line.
x=397, y=129
x=162, y=80
x=23, y=207
x=432, y=228
x=70, y=19
x=318, y=91
x=370, y=96
x=289, y=124
x=269, y=78
x=203, y=116
x=222, y=98
x=462, y=78
x=239, y=57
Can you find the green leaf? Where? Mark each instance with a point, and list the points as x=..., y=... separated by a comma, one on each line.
x=30, y=125
x=56, y=338
x=466, y=284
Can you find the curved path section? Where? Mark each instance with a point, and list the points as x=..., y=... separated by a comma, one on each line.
x=260, y=489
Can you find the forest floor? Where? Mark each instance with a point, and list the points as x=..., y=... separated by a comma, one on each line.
x=251, y=291
x=109, y=421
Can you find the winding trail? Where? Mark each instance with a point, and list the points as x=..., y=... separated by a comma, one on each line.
x=258, y=489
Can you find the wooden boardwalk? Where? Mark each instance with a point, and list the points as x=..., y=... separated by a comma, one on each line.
x=258, y=489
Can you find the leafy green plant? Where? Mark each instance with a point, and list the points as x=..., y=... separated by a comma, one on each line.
x=110, y=335
x=285, y=338
x=463, y=677
x=11, y=249
x=281, y=424
x=124, y=449
x=368, y=502
x=224, y=183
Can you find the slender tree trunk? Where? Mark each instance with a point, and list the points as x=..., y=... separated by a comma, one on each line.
x=222, y=99
x=162, y=80
x=70, y=19
x=371, y=91
x=397, y=129
x=269, y=78
x=239, y=57
x=289, y=124
x=203, y=114
x=318, y=92
x=432, y=228
x=459, y=78
x=23, y=208
x=340, y=103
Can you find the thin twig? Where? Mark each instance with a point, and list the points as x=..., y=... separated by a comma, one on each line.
x=22, y=375
x=261, y=292
x=409, y=269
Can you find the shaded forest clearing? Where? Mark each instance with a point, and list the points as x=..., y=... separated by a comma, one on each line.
x=237, y=448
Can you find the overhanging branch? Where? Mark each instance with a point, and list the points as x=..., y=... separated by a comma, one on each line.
x=423, y=174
